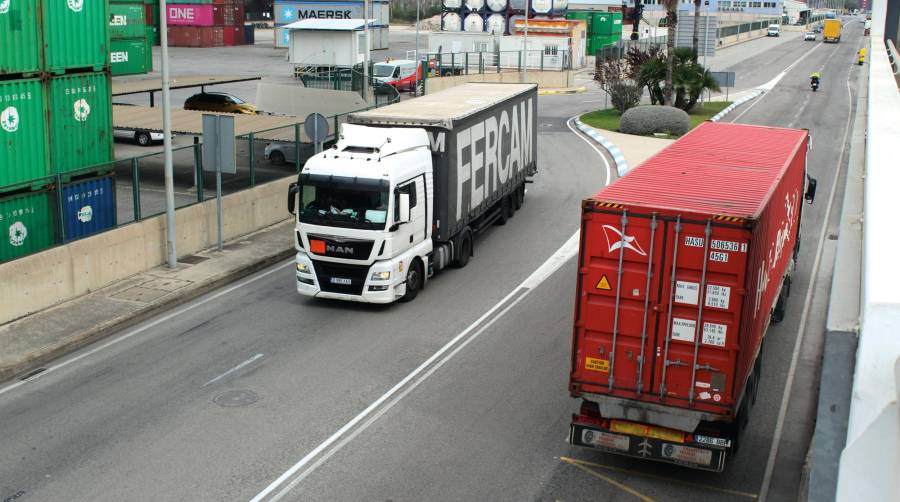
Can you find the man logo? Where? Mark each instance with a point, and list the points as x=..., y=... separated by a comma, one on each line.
x=9, y=119
x=4, y=6
x=75, y=5
x=82, y=110
x=17, y=234
x=621, y=241
x=85, y=214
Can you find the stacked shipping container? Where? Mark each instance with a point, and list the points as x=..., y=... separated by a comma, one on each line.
x=55, y=114
x=130, y=48
x=290, y=11
x=205, y=23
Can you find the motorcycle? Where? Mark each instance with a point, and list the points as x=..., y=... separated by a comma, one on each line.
x=814, y=83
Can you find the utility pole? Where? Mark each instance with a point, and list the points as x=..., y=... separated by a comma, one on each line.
x=418, y=63
x=171, y=253
x=525, y=65
x=368, y=45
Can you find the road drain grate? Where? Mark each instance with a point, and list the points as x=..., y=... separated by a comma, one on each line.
x=33, y=373
x=193, y=259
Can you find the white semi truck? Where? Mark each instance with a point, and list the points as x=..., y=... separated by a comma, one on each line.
x=407, y=187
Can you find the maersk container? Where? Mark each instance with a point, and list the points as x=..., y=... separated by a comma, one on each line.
x=27, y=224
x=23, y=132
x=130, y=56
x=683, y=264
x=88, y=207
x=127, y=20
x=80, y=121
x=19, y=38
x=75, y=35
x=503, y=115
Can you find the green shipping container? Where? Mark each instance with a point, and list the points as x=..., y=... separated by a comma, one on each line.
x=80, y=121
x=75, y=35
x=130, y=57
x=126, y=20
x=152, y=35
x=23, y=132
x=27, y=224
x=19, y=47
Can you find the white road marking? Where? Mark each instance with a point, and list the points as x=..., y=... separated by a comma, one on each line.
x=303, y=468
x=235, y=369
x=145, y=327
x=594, y=146
x=319, y=455
x=785, y=398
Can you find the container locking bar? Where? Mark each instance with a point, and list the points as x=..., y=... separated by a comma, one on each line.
x=698, y=329
x=615, y=333
x=662, y=383
x=640, y=362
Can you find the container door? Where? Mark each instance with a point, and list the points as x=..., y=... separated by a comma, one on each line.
x=699, y=314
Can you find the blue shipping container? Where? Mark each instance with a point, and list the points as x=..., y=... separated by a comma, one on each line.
x=88, y=207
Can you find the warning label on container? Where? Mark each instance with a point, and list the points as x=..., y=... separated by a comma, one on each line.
x=603, y=283
x=592, y=364
x=687, y=292
x=683, y=329
x=714, y=334
x=717, y=296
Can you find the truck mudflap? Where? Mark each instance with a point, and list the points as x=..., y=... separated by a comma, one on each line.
x=697, y=452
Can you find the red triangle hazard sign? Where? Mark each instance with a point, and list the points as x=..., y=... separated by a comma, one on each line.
x=604, y=283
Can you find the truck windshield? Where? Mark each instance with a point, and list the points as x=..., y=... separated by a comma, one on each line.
x=384, y=70
x=344, y=205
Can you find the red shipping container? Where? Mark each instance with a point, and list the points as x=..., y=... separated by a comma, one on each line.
x=680, y=266
x=196, y=36
x=233, y=35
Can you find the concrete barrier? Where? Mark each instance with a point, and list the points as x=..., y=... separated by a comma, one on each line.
x=44, y=279
x=544, y=79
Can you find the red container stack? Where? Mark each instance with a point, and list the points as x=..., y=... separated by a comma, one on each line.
x=206, y=25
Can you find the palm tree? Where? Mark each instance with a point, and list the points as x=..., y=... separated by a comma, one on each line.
x=696, y=40
x=671, y=22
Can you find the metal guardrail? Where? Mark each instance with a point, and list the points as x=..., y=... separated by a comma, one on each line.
x=468, y=63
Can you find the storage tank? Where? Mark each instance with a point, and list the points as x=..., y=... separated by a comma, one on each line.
x=474, y=5
x=452, y=4
x=560, y=7
x=518, y=18
x=474, y=23
x=518, y=5
x=451, y=21
x=496, y=24
x=497, y=5
x=542, y=6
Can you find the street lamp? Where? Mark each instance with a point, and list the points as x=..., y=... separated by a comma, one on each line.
x=171, y=254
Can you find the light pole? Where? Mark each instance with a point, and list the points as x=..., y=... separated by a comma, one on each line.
x=171, y=254
x=525, y=66
x=366, y=57
x=418, y=63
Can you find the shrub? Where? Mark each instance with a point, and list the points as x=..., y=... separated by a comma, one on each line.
x=625, y=95
x=650, y=119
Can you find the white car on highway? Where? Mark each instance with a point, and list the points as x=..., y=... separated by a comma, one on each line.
x=809, y=35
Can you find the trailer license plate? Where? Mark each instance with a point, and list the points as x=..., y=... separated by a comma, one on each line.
x=687, y=454
x=605, y=440
x=342, y=281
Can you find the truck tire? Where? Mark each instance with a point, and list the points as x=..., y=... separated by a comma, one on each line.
x=415, y=279
x=463, y=249
x=505, y=210
x=520, y=197
x=781, y=304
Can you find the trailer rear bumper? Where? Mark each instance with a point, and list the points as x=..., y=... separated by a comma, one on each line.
x=688, y=454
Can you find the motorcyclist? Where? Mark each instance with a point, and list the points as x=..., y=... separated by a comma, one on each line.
x=814, y=78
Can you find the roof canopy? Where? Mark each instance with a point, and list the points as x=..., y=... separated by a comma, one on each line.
x=329, y=24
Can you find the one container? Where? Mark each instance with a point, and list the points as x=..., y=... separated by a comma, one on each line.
x=130, y=57
x=474, y=5
x=498, y=5
x=80, y=121
x=450, y=21
x=196, y=15
x=75, y=35
x=196, y=36
x=282, y=38
x=249, y=34
x=127, y=20
x=496, y=24
x=88, y=207
x=474, y=23
x=27, y=224
x=683, y=260
x=19, y=38
x=23, y=132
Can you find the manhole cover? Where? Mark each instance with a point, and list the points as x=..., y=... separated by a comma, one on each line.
x=236, y=398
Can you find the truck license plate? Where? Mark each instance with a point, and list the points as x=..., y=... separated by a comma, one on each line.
x=687, y=454
x=341, y=281
x=605, y=440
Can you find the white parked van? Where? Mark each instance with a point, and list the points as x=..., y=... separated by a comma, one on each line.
x=774, y=30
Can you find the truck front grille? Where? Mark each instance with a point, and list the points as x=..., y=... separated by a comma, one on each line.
x=333, y=277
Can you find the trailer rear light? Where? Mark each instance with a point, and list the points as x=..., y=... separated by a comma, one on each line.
x=590, y=420
x=648, y=431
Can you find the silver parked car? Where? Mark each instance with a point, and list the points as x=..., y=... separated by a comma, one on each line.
x=139, y=136
x=286, y=153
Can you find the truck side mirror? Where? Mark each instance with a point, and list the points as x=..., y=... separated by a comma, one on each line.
x=292, y=198
x=810, y=190
x=403, y=202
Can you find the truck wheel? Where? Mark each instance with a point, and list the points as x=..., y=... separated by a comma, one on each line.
x=505, y=210
x=415, y=277
x=520, y=197
x=464, y=249
x=781, y=303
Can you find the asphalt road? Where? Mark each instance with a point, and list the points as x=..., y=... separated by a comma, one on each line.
x=220, y=400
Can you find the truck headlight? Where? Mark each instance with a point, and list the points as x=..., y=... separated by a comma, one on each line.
x=303, y=268
x=381, y=276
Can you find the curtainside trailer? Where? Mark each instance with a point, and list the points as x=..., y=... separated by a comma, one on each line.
x=683, y=264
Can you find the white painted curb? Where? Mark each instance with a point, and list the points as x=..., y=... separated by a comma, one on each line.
x=719, y=116
x=618, y=157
